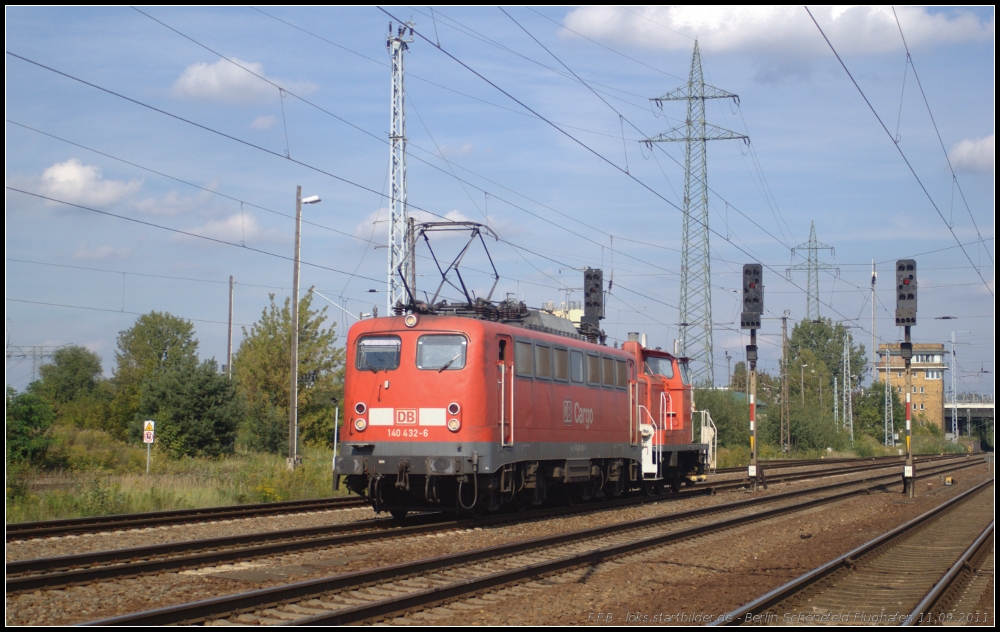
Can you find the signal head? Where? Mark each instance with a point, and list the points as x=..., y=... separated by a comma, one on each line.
x=906, y=292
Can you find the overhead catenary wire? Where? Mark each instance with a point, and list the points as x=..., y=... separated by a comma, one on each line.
x=901, y=153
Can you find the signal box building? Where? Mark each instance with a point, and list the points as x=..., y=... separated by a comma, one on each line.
x=927, y=384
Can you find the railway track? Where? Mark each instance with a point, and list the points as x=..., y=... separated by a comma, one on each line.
x=55, y=572
x=380, y=593
x=903, y=577
x=72, y=526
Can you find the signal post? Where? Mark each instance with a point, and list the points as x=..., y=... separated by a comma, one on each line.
x=906, y=316
x=750, y=317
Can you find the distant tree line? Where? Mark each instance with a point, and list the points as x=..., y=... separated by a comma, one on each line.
x=815, y=352
x=198, y=410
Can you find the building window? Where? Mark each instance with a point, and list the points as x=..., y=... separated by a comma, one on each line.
x=914, y=407
x=914, y=389
x=921, y=389
x=921, y=406
x=899, y=374
x=899, y=389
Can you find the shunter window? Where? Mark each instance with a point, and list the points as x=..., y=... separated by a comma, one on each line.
x=660, y=366
x=441, y=352
x=576, y=366
x=608, y=371
x=685, y=375
x=378, y=353
x=522, y=358
x=560, y=364
x=543, y=361
x=593, y=370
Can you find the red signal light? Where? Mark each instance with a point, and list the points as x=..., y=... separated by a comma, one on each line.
x=906, y=281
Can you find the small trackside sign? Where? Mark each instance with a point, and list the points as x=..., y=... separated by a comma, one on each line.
x=147, y=431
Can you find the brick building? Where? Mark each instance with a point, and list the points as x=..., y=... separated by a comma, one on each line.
x=927, y=386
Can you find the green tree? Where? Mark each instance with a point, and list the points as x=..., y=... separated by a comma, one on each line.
x=869, y=412
x=28, y=418
x=262, y=371
x=158, y=342
x=73, y=372
x=826, y=341
x=196, y=410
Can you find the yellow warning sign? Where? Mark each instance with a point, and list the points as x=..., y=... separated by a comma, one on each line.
x=148, y=427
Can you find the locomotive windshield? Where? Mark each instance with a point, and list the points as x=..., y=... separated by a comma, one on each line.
x=378, y=353
x=441, y=352
x=660, y=366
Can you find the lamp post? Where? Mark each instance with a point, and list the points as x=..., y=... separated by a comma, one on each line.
x=293, y=401
x=802, y=382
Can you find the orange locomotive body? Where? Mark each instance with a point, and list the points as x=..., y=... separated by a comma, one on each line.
x=447, y=411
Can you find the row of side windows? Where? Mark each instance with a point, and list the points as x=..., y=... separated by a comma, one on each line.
x=545, y=362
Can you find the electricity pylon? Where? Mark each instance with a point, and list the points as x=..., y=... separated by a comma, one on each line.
x=812, y=266
x=696, y=275
x=399, y=261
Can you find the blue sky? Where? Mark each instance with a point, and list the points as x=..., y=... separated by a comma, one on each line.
x=557, y=197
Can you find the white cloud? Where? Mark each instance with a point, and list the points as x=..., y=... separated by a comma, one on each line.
x=974, y=155
x=264, y=122
x=464, y=150
x=236, y=228
x=73, y=181
x=171, y=205
x=379, y=220
x=102, y=253
x=225, y=82
x=775, y=30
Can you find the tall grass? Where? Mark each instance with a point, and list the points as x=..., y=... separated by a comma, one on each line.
x=90, y=474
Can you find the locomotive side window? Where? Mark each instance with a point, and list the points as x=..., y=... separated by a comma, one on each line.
x=441, y=352
x=543, y=362
x=378, y=353
x=621, y=374
x=523, y=358
x=594, y=370
x=576, y=366
x=660, y=366
x=685, y=377
x=560, y=364
x=608, y=371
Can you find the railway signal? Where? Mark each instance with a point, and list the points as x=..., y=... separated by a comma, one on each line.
x=906, y=316
x=750, y=317
x=906, y=292
x=593, y=293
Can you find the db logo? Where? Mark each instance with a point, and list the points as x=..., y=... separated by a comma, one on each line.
x=406, y=416
x=567, y=411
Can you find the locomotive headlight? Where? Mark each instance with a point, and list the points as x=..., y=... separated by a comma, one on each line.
x=410, y=320
x=360, y=408
x=360, y=425
x=454, y=408
x=454, y=425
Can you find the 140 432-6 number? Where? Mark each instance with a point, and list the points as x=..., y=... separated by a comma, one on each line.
x=408, y=432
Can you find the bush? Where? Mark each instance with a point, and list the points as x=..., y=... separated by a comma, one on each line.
x=28, y=420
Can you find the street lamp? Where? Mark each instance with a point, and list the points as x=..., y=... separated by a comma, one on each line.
x=802, y=382
x=293, y=402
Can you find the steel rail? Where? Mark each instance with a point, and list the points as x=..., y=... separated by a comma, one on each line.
x=223, y=606
x=763, y=603
x=70, y=526
x=928, y=605
x=34, y=574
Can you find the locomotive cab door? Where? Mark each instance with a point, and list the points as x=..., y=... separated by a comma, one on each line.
x=505, y=389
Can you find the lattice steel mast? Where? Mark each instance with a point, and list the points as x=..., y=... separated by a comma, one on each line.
x=812, y=266
x=696, y=275
x=399, y=262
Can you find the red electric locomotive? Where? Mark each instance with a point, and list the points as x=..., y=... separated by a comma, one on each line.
x=500, y=405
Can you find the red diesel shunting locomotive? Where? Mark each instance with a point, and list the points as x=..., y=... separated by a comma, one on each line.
x=457, y=410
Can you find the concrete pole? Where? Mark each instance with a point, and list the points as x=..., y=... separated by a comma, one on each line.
x=293, y=401
x=229, y=345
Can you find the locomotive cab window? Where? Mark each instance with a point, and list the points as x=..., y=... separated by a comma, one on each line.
x=576, y=366
x=523, y=359
x=441, y=352
x=378, y=353
x=660, y=366
x=621, y=374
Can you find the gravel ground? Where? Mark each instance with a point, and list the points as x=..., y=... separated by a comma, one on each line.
x=110, y=598
x=705, y=576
